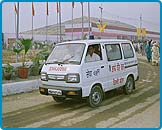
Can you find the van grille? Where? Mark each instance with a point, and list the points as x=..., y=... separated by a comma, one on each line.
x=56, y=77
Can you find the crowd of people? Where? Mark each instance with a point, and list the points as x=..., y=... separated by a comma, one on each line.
x=151, y=49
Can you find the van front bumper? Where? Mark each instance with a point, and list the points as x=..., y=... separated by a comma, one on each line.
x=59, y=91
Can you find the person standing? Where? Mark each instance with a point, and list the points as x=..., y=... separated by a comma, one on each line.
x=148, y=51
x=155, y=54
x=142, y=48
x=138, y=45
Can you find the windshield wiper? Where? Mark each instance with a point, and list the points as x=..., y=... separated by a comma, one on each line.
x=60, y=62
x=55, y=62
x=67, y=59
x=74, y=62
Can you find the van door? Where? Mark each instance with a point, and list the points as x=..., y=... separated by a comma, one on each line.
x=115, y=65
x=93, y=68
x=130, y=60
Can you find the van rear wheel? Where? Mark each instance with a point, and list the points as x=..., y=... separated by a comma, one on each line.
x=58, y=99
x=129, y=86
x=96, y=96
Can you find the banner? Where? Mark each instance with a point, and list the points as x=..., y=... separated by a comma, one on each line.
x=72, y=4
x=138, y=32
x=143, y=32
x=101, y=27
x=33, y=12
x=57, y=7
x=47, y=7
x=15, y=8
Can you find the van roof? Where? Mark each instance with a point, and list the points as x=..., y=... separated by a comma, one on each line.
x=95, y=41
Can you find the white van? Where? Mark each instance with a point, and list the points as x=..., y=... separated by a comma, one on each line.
x=88, y=69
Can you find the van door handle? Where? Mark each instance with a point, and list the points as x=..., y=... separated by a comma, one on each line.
x=102, y=66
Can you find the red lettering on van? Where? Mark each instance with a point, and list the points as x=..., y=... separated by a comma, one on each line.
x=118, y=81
x=57, y=69
x=114, y=68
x=117, y=67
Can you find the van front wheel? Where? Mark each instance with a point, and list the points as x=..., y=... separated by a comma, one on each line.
x=128, y=87
x=96, y=96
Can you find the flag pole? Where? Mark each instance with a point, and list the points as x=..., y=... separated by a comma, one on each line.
x=46, y=26
x=15, y=21
x=101, y=8
x=60, y=19
x=57, y=19
x=82, y=21
x=46, y=20
x=17, y=30
x=72, y=18
x=32, y=27
x=32, y=19
x=89, y=19
x=57, y=27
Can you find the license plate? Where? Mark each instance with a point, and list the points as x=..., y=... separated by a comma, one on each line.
x=53, y=91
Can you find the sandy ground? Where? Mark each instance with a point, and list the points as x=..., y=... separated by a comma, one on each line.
x=139, y=110
x=147, y=119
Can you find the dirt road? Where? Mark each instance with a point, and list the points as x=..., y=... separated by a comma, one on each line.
x=140, y=109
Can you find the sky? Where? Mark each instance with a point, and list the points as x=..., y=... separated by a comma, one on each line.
x=128, y=12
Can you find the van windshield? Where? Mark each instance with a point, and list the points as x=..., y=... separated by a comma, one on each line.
x=69, y=53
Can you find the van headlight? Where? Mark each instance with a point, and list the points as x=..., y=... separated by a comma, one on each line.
x=44, y=76
x=72, y=78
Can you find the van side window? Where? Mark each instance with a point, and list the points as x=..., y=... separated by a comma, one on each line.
x=93, y=53
x=113, y=52
x=127, y=50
